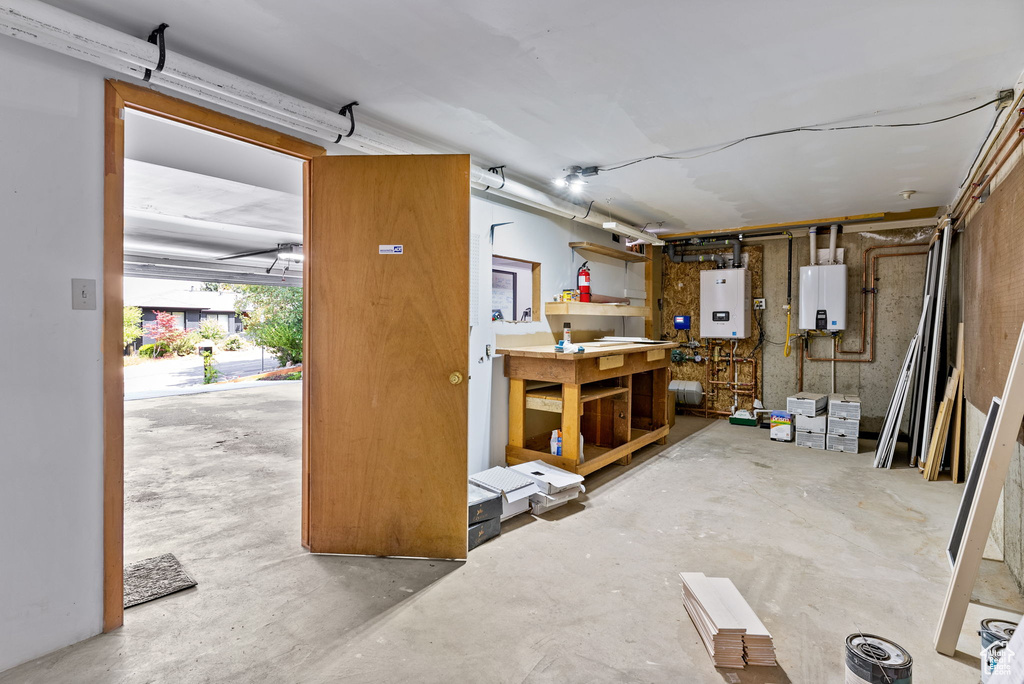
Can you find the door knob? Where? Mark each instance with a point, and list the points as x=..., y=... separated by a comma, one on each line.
x=455, y=378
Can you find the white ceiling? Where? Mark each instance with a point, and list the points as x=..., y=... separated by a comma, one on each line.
x=540, y=85
x=191, y=198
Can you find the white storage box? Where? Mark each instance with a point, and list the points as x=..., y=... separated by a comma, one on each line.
x=515, y=489
x=847, y=445
x=549, y=478
x=844, y=427
x=807, y=404
x=542, y=503
x=844, y=406
x=817, y=424
x=814, y=440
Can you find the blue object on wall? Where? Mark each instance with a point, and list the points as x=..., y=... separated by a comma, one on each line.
x=682, y=322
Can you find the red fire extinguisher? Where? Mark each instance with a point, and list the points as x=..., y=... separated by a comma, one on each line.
x=583, y=281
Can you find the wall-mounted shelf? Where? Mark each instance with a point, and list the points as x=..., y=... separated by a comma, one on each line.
x=594, y=309
x=594, y=248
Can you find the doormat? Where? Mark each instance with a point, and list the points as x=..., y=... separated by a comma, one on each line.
x=153, y=578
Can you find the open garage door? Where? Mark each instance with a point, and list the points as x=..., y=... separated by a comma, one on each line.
x=387, y=283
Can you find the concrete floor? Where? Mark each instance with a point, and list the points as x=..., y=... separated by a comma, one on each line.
x=820, y=543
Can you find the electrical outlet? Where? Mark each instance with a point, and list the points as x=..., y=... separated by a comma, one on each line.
x=759, y=304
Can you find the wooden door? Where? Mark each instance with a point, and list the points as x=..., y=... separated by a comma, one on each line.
x=387, y=278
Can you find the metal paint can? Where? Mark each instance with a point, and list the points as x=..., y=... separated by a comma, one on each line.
x=990, y=659
x=995, y=629
x=873, y=659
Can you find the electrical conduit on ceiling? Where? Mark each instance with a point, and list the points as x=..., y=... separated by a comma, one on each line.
x=61, y=31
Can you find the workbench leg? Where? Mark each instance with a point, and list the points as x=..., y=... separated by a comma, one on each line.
x=572, y=409
x=516, y=412
x=659, y=400
x=623, y=418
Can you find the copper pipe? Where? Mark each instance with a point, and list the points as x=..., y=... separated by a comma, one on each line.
x=981, y=188
x=865, y=293
x=993, y=154
x=874, y=316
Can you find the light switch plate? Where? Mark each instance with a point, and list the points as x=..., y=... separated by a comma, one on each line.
x=83, y=294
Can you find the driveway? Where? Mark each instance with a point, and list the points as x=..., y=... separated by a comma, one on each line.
x=187, y=371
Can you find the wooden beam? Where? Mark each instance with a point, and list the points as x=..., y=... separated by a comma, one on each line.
x=152, y=102
x=983, y=508
x=113, y=365
x=925, y=212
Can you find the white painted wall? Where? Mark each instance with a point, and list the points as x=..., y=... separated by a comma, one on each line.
x=544, y=239
x=51, y=185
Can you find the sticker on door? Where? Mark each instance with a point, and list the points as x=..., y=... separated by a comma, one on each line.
x=389, y=249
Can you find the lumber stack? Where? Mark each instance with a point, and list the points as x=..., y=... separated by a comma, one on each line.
x=728, y=626
x=949, y=415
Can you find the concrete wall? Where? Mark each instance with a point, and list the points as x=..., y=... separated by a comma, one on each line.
x=51, y=454
x=900, y=283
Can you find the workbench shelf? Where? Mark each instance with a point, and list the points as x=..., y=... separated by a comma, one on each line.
x=594, y=248
x=594, y=309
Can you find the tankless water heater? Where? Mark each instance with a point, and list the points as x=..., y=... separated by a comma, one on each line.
x=823, y=297
x=725, y=303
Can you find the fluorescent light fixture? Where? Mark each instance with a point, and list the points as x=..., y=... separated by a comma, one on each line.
x=630, y=232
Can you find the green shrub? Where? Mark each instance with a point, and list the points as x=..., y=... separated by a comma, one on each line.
x=273, y=319
x=284, y=342
x=153, y=351
x=210, y=374
x=233, y=343
x=186, y=344
x=210, y=329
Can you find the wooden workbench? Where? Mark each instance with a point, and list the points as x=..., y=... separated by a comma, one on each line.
x=616, y=395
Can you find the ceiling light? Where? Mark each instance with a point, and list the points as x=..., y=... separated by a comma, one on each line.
x=907, y=193
x=561, y=182
x=576, y=184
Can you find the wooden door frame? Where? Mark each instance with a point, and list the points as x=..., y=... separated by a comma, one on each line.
x=120, y=96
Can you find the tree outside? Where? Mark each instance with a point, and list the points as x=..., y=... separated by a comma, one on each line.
x=132, y=324
x=273, y=319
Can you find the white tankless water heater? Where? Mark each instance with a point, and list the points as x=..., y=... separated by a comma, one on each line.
x=725, y=303
x=823, y=297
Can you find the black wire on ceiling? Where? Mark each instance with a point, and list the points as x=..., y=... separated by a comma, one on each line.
x=798, y=129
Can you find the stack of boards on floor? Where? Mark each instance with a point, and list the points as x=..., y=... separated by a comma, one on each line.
x=728, y=626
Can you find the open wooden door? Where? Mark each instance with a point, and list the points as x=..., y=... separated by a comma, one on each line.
x=387, y=279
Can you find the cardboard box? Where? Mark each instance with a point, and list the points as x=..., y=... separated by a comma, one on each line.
x=807, y=403
x=483, y=531
x=845, y=427
x=844, y=406
x=847, y=445
x=814, y=440
x=483, y=504
x=549, y=479
x=818, y=424
x=781, y=426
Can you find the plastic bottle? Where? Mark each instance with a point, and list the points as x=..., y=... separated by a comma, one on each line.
x=566, y=333
x=556, y=443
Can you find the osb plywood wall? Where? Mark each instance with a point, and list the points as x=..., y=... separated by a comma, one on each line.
x=993, y=288
x=681, y=296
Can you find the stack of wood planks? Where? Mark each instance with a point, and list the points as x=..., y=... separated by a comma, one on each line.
x=949, y=415
x=728, y=626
